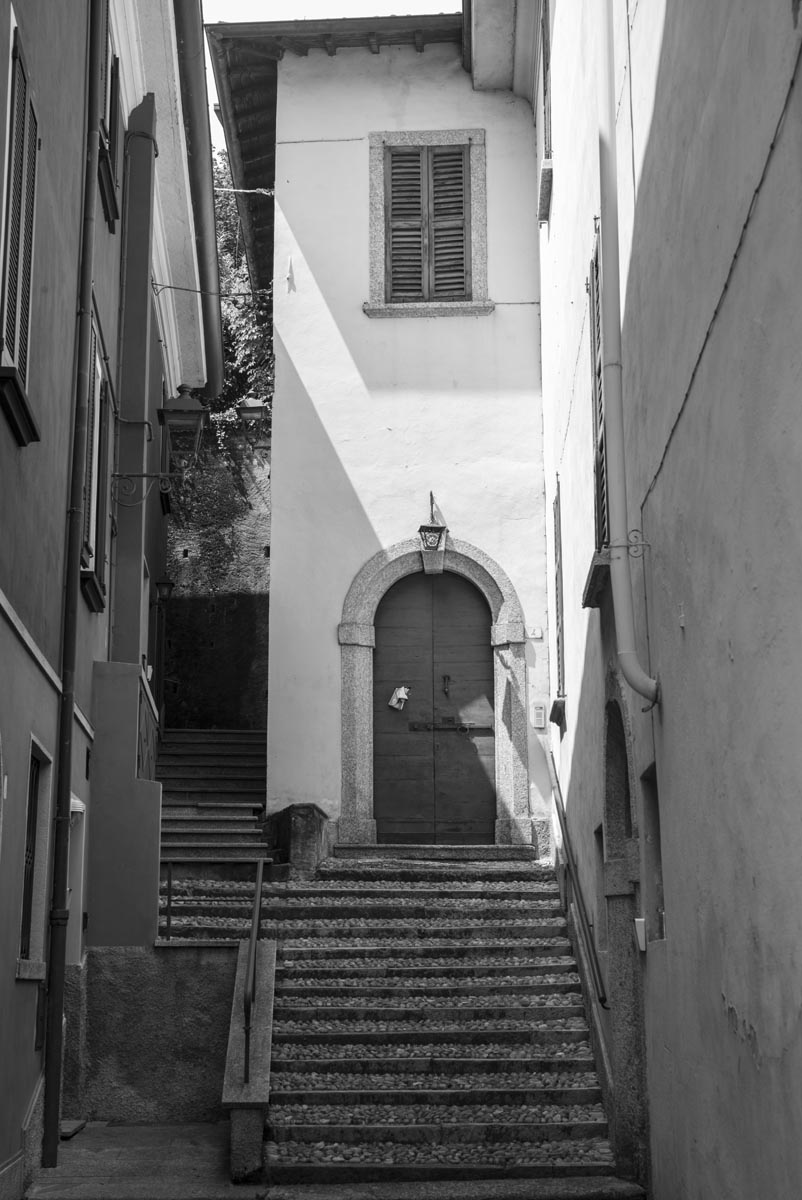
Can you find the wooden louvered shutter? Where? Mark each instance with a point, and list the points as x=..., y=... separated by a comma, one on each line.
x=91, y=471
x=559, y=604
x=597, y=382
x=449, y=265
x=23, y=146
x=427, y=209
x=407, y=242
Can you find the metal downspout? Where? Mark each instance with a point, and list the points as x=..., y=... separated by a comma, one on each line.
x=59, y=912
x=620, y=574
x=194, y=101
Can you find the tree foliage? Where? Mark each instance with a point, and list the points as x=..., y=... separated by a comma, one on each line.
x=247, y=318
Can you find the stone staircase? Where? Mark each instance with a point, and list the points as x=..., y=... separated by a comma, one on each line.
x=213, y=797
x=428, y=1023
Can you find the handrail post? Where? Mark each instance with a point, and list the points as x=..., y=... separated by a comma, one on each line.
x=249, y=998
x=169, y=899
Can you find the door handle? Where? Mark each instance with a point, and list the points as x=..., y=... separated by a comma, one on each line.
x=446, y=682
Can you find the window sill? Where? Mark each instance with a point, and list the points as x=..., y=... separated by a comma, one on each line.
x=597, y=580
x=449, y=308
x=14, y=403
x=93, y=591
x=32, y=969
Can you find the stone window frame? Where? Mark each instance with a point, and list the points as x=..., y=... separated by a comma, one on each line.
x=480, y=304
x=356, y=634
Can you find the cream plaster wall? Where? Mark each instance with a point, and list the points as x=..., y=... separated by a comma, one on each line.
x=712, y=371
x=372, y=414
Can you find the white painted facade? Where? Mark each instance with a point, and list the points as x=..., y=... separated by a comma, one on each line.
x=372, y=414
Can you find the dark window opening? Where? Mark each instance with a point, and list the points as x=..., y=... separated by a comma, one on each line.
x=31, y=828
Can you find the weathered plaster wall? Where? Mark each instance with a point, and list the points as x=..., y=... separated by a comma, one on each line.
x=151, y=1031
x=372, y=414
x=712, y=369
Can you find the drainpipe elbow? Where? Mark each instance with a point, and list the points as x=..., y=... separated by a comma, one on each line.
x=637, y=678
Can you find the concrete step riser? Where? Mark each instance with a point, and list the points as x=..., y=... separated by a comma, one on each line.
x=284, y=1011
x=424, y=1035
x=450, y=873
x=213, y=851
x=205, y=736
x=196, y=791
x=487, y=911
x=216, y=837
x=408, y=990
x=419, y=929
x=418, y=1068
x=464, y=955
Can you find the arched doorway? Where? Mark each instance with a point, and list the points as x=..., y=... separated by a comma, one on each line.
x=514, y=823
x=434, y=760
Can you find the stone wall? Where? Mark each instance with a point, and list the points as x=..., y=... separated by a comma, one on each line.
x=217, y=618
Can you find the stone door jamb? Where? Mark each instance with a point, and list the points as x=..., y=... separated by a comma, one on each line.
x=357, y=640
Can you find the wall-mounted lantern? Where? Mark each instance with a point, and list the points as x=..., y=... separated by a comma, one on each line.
x=433, y=543
x=183, y=418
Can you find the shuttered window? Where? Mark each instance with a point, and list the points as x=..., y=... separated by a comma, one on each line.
x=29, y=866
x=20, y=205
x=427, y=214
x=96, y=485
x=559, y=615
x=597, y=384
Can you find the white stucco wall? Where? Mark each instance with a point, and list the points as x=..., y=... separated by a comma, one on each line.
x=372, y=414
x=711, y=390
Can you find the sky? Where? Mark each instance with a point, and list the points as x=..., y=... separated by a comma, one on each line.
x=299, y=10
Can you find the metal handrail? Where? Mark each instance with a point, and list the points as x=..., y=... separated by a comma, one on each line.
x=249, y=997
x=576, y=888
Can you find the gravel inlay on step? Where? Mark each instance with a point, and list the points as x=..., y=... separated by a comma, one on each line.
x=399, y=983
x=407, y=1003
x=433, y=1114
x=282, y=1081
x=432, y=1051
x=566, y=1150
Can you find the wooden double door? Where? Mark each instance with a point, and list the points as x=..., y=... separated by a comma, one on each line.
x=434, y=760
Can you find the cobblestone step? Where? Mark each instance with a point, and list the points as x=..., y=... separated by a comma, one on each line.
x=377, y=1122
x=469, y=1091
x=424, y=1056
x=411, y=985
x=491, y=1007
x=304, y=1162
x=467, y=1032
x=401, y=967
x=438, y=949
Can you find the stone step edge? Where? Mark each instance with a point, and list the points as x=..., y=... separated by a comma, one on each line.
x=390, y=1012
x=520, y=1036
x=287, y=990
x=438, y=1065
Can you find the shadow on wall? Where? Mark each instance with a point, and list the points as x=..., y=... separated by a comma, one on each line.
x=217, y=655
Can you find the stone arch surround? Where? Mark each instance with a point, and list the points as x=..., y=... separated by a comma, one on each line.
x=357, y=640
